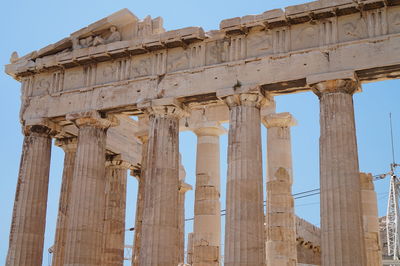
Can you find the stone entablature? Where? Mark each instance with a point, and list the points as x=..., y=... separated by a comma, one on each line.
x=190, y=65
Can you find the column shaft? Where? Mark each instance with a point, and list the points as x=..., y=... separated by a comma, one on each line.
x=69, y=146
x=114, y=216
x=85, y=230
x=159, y=241
x=140, y=204
x=244, y=231
x=29, y=213
x=370, y=220
x=342, y=241
x=207, y=207
x=281, y=245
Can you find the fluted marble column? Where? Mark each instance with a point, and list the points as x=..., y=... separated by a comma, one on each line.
x=183, y=188
x=189, y=257
x=29, y=213
x=85, y=227
x=370, y=220
x=342, y=238
x=244, y=228
x=281, y=245
x=140, y=203
x=114, y=216
x=207, y=205
x=159, y=240
x=69, y=145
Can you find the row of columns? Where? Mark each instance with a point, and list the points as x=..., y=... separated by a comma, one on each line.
x=88, y=200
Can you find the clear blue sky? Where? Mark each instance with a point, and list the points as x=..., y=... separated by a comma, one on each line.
x=29, y=25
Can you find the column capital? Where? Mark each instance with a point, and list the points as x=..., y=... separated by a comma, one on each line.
x=209, y=129
x=337, y=82
x=92, y=118
x=67, y=144
x=41, y=126
x=247, y=99
x=164, y=107
x=279, y=120
x=117, y=162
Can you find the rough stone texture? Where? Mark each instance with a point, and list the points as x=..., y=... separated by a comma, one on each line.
x=207, y=205
x=342, y=238
x=69, y=146
x=244, y=228
x=183, y=188
x=85, y=230
x=159, y=240
x=281, y=245
x=370, y=220
x=308, y=243
x=189, y=258
x=29, y=213
x=114, y=216
x=140, y=203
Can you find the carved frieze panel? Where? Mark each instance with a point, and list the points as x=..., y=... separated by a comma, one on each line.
x=281, y=40
x=177, y=59
x=141, y=66
x=304, y=36
x=259, y=43
x=352, y=27
x=106, y=72
x=216, y=52
x=73, y=78
x=393, y=17
x=42, y=84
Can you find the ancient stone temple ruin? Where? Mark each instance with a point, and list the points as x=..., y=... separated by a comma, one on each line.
x=83, y=90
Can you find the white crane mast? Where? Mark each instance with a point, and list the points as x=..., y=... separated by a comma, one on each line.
x=392, y=218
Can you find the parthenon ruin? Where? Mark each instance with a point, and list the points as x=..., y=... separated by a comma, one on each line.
x=83, y=91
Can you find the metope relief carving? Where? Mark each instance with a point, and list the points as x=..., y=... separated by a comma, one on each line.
x=141, y=66
x=393, y=18
x=216, y=52
x=303, y=36
x=73, y=78
x=352, y=28
x=259, y=43
x=42, y=84
x=281, y=40
x=177, y=59
x=328, y=31
x=377, y=22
